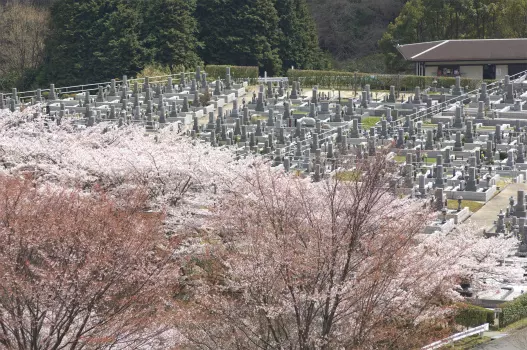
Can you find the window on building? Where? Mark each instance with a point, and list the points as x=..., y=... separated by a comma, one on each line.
x=448, y=71
x=489, y=71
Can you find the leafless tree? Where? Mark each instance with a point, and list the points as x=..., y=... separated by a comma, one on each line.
x=23, y=28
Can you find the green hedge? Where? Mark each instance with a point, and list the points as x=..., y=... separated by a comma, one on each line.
x=472, y=316
x=237, y=72
x=352, y=81
x=513, y=311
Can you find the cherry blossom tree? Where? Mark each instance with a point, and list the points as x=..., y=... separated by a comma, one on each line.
x=334, y=264
x=182, y=176
x=265, y=259
x=79, y=271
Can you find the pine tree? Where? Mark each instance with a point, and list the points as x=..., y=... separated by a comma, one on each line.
x=92, y=41
x=298, y=44
x=240, y=32
x=169, y=32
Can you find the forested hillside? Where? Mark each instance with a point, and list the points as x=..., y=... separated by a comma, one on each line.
x=69, y=41
x=350, y=29
x=77, y=41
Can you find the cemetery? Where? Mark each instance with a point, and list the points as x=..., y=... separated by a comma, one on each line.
x=262, y=174
x=451, y=146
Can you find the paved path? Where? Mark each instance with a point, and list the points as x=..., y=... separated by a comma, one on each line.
x=486, y=216
x=514, y=341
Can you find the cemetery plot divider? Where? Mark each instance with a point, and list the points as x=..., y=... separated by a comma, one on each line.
x=356, y=81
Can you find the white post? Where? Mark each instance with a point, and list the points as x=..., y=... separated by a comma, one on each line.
x=265, y=77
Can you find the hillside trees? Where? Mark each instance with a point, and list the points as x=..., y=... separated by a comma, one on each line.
x=239, y=32
x=350, y=29
x=513, y=20
x=298, y=45
x=99, y=40
x=92, y=41
x=23, y=29
x=169, y=33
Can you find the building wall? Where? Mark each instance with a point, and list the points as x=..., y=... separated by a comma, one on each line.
x=501, y=71
x=475, y=72
x=467, y=63
x=473, y=69
x=431, y=71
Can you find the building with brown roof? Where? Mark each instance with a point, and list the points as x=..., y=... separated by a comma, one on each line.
x=473, y=58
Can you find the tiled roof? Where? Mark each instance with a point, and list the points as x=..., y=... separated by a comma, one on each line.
x=466, y=50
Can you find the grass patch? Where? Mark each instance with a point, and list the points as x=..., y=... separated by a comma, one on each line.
x=494, y=128
x=353, y=175
x=473, y=206
x=402, y=159
x=430, y=160
x=369, y=122
x=65, y=96
x=300, y=112
x=503, y=182
x=255, y=118
x=516, y=325
x=467, y=343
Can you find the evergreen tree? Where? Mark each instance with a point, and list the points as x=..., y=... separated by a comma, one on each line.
x=119, y=50
x=169, y=32
x=240, y=32
x=298, y=45
x=92, y=41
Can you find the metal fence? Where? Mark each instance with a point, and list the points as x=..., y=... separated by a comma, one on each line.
x=458, y=336
x=430, y=111
x=74, y=89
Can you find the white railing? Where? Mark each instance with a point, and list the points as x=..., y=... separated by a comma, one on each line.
x=430, y=111
x=458, y=336
x=95, y=86
x=272, y=79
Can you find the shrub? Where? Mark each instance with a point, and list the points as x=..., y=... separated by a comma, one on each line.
x=154, y=70
x=204, y=98
x=513, y=311
x=366, y=64
x=355, y=80
x=472, y=316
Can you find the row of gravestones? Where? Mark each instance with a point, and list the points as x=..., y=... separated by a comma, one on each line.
x=237, y=126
